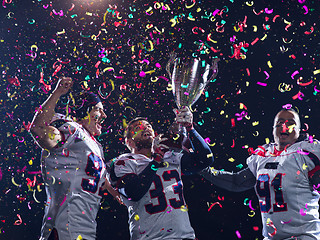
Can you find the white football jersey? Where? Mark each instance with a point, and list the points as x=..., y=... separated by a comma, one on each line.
x=288, y=202
x=161, y=213
x=73, y=173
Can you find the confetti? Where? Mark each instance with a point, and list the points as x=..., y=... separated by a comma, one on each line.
x=268, y=56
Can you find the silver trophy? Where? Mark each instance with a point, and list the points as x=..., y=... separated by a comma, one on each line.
x=189, y=78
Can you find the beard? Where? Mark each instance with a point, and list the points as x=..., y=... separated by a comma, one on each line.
x=144, y=144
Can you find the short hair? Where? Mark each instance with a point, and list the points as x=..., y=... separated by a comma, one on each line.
x=128, y=131
x=84, y=102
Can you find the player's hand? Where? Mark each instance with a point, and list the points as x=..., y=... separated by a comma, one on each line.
x=107, y=186
x=63, y=86
x=184, y=117
x=158, y=146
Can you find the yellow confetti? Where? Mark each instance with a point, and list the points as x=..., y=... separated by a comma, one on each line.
x=30, y=162
x=14, y=183
x=291, y=127
x=255, y=123
x=184, y=208
x=267, y=140
x=51, y=135
x=231, y=159
x=269, y=64
x=286, y=22
x=176, y=137
x=316, y=72
x=255, y=134
x=124, y=123
x=62, y=32
x=149, y=72
x=154, y=79
x=255, y=28
x=304, y=166
x=209, y=155
x=264, y=37
x=249, y=3
x=190, y=6
x=252, y=213
x=34, y=196
x=136, y=217
x=79, y=237
x=174, y=22
x=34, y=48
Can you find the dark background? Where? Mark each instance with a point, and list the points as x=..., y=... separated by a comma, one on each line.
x=34, y=35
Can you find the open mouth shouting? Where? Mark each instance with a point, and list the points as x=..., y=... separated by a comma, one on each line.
x=99, y=123
x=284, y=135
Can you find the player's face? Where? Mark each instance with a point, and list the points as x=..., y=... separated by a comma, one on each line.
x=142, y=134
x=97, y=116
x=286, y=129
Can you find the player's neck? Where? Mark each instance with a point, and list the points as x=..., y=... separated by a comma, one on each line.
x=144, y=151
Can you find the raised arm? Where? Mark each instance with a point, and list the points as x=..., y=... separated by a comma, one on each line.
x=235, y=182
x=201, y=157
x=48, y=136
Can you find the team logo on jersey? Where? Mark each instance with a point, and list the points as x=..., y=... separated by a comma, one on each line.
x=271, y=165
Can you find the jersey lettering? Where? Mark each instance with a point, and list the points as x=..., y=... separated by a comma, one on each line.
x=93, y=169
x=177, y=189
x=263, y=190
x=157, y=192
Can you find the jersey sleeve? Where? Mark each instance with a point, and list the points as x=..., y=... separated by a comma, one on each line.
x=133, y=178
x=311, y=154
x=67, y=131
x=252, y=164
x=235, y=182
x=122, y=166
x=200, y=158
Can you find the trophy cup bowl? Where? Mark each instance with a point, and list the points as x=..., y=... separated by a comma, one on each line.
x=189, y=77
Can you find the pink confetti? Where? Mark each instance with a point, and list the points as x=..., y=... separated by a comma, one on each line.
x=142, y=74
x=213, y=205
x=65, y=197
x=282, y=222
x=262, y=84
x=294, y=73
x=302, y=211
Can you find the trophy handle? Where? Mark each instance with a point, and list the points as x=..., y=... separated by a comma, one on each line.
x=214, y=68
